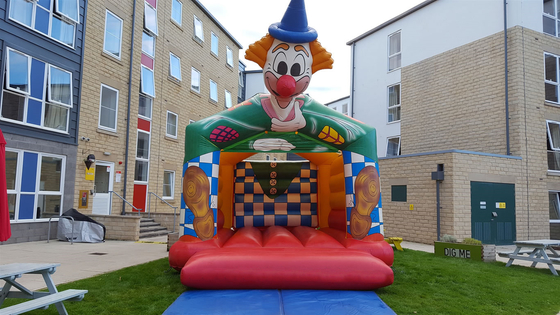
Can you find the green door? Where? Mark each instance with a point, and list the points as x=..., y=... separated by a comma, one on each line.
x=493, y=212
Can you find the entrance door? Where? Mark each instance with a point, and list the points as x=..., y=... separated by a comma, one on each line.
x=493, y=212
x=103, y=184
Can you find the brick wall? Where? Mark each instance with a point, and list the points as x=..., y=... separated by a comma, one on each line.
x=122, y=228
x=31, y=232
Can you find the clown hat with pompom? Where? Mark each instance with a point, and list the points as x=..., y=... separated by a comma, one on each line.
x=293, y=28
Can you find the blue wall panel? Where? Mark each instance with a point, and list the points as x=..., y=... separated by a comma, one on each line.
x=29, y=174
x=34, y=111
x=37, y=78
x=26, y=206
x=42, y=21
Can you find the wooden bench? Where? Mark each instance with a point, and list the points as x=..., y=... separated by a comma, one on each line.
x=395, y=241
x=45, y=301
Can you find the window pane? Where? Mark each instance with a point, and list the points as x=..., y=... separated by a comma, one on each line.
x=108, y=111
x=168, y=184
x=549, y=26
x=393, y=147
x=228, y=99
x=48, y=206
x=56, y=117
x=19, y=71
x=13, y=106
x=175, y=66
x=113, y=31
x=229, y=57
x=12, y=205
x=550, y=68
x=68, y=8
x=143, y=147
x=141, y=171
x=213, y=91
x=398, y=193
x=172, y=124
x=214, y=44
x=148, y=44
x=395, y=62
x=150, y=18
x=21, y=11
x=177, y=12
x=11, y=168
x=145, y=106
x=394, y=114
x=62, y=31
x=553, y=206
x=195, y=80
x=548, y=6
x=551, y=92
x=394, y=95
x=148, y=82
x=50, y=173
x=394, y=44
x=198, y=32
x=60, y=85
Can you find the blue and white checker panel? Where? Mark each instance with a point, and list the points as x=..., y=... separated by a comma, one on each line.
x=210, y=164
x=353, y=164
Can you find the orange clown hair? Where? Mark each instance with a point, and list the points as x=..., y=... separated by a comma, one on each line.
x=257, y=52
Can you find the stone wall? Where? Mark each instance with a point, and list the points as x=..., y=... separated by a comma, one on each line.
x=31, y=232
x=118, y=227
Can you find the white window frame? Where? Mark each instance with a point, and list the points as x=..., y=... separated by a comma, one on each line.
x=558, y=200
x=554, y=17
x=213, y=87
x=343, y=111
x=180, y=23
x=107, y=12
x=241, y=86
x=555, y=150
x=28, y=92
x=151, y=106
x=153, y=45
x=227, y=96
x=167, y=124
x=116, y=108
x=172, y=184
x=171, y=56
x=557, y=83
x=50, y=100
x=193, y=69
x=75, y=20
x=142, y=81
x=229, y=56
x=214, y=42
x=398, y=146
x=389, y=107
x=147, y=7
x=17, y=191
x=389, y=55
x=195, y=36
x=147, y=160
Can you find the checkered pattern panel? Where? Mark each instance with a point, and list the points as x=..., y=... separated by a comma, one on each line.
x=297, y=206
x=353, y=164
x=210, y=164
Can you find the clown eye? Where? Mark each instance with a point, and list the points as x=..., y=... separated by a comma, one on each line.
x=280, y=65
x=282, y=68
x=296, y=70
x=298, y=67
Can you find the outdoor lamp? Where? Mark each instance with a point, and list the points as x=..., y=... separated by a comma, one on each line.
x=89, y=160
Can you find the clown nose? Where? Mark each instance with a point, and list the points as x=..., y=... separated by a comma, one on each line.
x=286, y=85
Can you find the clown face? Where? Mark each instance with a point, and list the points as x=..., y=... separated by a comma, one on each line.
x=287, y=71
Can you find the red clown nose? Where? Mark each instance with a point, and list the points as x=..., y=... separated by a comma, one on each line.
x=286, y=85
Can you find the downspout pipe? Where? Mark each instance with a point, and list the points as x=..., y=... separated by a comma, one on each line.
x=123, y=212
x=438, y=211
x=352, y=79
x=506, y=78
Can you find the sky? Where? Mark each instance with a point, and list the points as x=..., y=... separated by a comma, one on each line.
x=336, y=22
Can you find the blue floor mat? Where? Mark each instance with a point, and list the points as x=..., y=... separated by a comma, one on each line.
x=278, y=302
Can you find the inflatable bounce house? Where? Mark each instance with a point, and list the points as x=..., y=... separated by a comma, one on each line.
x=309, y=224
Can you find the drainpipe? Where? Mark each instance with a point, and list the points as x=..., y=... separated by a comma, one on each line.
x=123, y=212
x=352, y=80
x=506, y=77
x=438, y=176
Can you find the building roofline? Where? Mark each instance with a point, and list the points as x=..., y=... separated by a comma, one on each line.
x=253, y=71
x=453, y=151
x=203, y=8
x=340, y=99
x=391, y=21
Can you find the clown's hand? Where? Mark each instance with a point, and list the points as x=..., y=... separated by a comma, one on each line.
x=291, y=125
x=270, y=144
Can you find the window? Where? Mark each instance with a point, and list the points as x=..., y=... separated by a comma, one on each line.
x=148, y=44
x=394, y=146
x=213, y=91
x=214, y=43
x=145, y=107
x=241, y=85
x=150, y=19
x=36, y=94
x=228, y=99
x=398, y=193
x=394, y=102
x=551, y=17
x=56, y=19
x=36, y=194
x=147, y=85
x=113, y=34
x=551, y=65
x=229, y=56
x=195, y=80
x=394, y=51
x=108, y=108
x=553, y=145
x=168, y=184
x=171, y=125
x=175, y=66
x=142, y=157
x=177, y=11
x=554, y=206
x=345, y=109
x=198, y=32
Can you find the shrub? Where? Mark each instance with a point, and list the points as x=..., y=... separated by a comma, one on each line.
x=448, y=238
x=471, y=241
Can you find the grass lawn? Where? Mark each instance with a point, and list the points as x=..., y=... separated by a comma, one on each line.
x=424, y=284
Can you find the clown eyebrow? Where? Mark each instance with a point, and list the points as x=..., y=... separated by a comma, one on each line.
x=301, y=48
x=283, y=46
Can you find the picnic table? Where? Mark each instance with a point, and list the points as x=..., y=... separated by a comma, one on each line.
x=11, y=272
x=539, y=251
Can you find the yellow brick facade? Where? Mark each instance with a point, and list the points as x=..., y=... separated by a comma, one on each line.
x=166, y=153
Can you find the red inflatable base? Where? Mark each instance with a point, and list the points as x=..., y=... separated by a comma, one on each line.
x=285, y=268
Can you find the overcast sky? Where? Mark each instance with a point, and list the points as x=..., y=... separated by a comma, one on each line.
x=336, y=22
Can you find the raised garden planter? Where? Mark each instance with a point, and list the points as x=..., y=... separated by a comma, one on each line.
x=486, y=253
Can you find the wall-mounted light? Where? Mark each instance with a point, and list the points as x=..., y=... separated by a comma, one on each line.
x=90, y=159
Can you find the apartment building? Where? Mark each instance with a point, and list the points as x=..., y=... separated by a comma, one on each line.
x=41, y=54
x=151, y=67
x=464, y=96
x=340, y=105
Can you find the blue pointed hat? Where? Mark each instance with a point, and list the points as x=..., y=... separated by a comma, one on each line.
x=293, y=27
